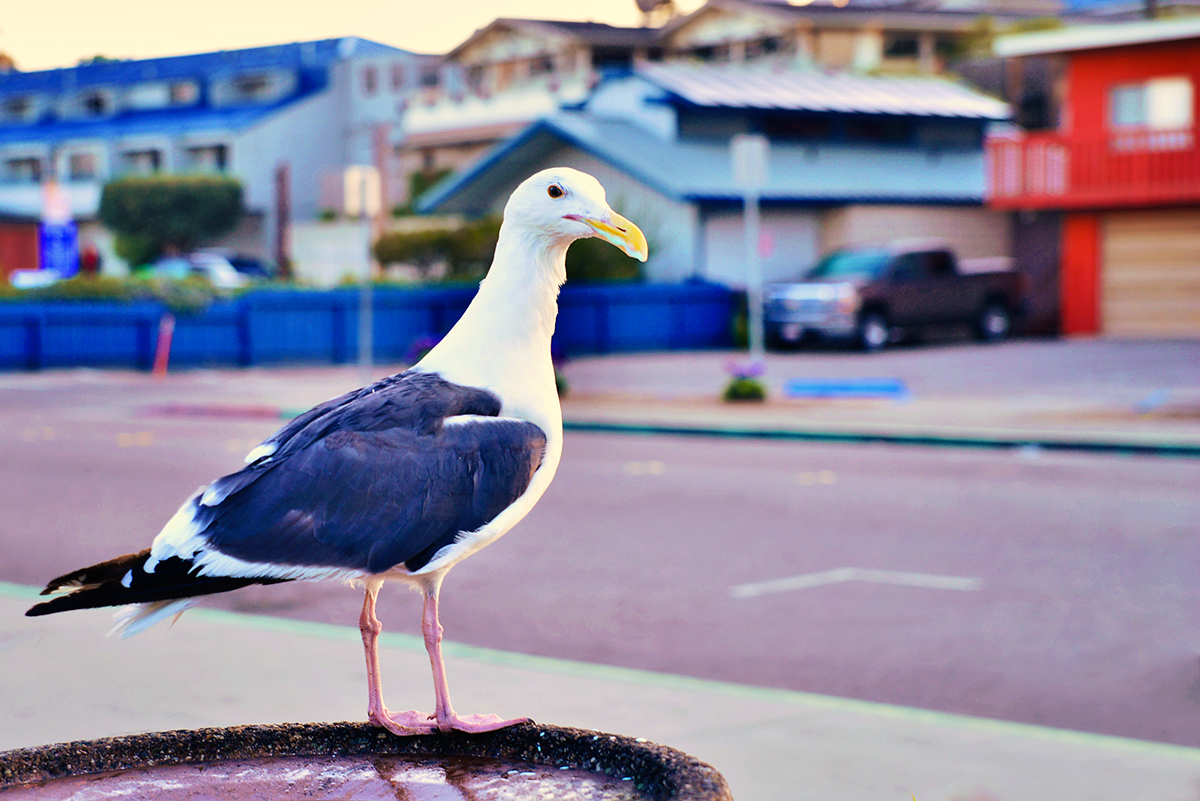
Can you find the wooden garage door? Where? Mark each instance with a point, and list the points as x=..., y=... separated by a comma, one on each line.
x=1150, y=273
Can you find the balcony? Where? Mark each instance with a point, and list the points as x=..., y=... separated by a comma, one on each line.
x=1128, y=168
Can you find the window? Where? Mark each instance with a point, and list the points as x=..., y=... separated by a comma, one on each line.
x=475, y=78
x=1161, y=104
x=16, y=109
x=23, y=170
x=82, y=167
x=210, y=159
x=143, y=162
x=397, y=77
x=93, y=104
x=429, y=77
x=184, y=93
x=370, y=80
x=900, y=45
x=542, y=65
x=252, y=87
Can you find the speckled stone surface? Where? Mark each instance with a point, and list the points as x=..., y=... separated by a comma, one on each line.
x=658, y=773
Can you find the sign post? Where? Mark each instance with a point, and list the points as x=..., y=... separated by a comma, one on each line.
x=750, y=154
x=363, y=199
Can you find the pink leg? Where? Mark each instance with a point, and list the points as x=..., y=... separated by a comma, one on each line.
x=413, y=722
x=404, y=723
x=447, y=720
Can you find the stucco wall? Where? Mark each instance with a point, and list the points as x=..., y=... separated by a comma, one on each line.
x=789, y=243
x=308, y=137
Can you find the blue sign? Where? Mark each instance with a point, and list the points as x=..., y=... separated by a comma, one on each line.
x=58, y=247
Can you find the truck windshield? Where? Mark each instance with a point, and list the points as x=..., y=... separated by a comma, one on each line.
x=850, y=264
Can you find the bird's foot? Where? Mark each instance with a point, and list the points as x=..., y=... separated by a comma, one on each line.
x=413, y=722
x=474, y=724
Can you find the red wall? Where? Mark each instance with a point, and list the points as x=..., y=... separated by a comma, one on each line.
x=1079, y=277
x=18, y=247
x=1090, y=74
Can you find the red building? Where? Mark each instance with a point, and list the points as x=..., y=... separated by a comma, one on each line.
x=1122, y=169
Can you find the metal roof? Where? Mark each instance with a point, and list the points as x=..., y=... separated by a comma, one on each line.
x=155, y=122
x=701, y=171
x=198, y=65
x=1094, y=37
x=763, y=87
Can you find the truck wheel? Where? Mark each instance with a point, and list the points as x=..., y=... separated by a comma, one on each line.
x=994, y=322
x=873, y=331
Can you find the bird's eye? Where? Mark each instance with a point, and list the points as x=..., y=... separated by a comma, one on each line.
x=554, y=191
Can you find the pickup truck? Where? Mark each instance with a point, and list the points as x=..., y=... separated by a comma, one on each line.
x=875, y=295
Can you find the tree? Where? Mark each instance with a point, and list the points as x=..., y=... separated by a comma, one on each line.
x=169, y=214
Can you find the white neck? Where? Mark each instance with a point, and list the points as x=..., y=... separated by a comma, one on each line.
x=502, y=341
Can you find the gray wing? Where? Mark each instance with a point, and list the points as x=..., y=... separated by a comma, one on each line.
x=373, y=479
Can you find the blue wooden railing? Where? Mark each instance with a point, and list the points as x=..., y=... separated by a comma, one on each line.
x=279, y=326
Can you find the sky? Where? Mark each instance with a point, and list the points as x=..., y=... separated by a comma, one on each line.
x=45, y=34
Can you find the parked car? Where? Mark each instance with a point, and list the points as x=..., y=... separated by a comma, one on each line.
x=217, y=269
x=252, y=267
x=875, y=295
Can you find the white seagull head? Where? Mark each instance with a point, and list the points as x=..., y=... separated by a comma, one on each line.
x=563, y=205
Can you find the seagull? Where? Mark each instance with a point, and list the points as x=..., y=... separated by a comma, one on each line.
x=396, y=481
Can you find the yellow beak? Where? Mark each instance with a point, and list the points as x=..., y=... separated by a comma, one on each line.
x=622, y=233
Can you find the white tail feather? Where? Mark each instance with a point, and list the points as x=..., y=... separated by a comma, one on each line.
x=135, y=618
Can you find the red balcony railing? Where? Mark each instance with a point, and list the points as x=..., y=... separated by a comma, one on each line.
x=1134, y=168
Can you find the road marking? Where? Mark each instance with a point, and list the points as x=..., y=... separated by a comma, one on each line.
x=843, y=574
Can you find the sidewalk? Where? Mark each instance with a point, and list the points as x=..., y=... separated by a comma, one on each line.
x=62, y=680
x=1091, y=395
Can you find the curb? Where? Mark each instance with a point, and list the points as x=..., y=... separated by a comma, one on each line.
x=925, y=440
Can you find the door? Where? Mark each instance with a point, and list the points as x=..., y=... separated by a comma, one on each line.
x=1150, y=273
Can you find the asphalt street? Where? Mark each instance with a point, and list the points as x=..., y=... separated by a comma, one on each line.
x=1052, y=588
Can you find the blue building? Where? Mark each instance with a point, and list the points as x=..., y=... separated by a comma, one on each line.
x=285, y=120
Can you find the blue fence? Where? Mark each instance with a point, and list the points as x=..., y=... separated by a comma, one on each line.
x=275, y=327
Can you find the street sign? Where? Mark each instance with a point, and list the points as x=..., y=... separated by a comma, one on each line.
x=751, y=154
x=58, y=247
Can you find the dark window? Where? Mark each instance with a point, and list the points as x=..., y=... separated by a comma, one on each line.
x=94, y=104
x=543, y=65
x=252, y=87
x=900, y=45
x=397, y=77
x=880, y=129
x=940, y=263
x=17, y=108
x=370, y=78
x=429, y=77
x=82, y=166
x=813, y=128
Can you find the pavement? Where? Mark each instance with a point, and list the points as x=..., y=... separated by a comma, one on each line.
x=61, y=679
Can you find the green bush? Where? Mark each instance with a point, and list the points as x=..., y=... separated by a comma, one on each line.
x=745, y=389
x=467, y=251
x=182, y=296
x=596, y=260
x=163, y=213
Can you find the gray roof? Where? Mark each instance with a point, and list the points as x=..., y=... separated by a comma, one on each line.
x=764, y=87
x=700, y=170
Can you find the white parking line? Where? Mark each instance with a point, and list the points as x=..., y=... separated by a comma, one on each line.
x=843, y=574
